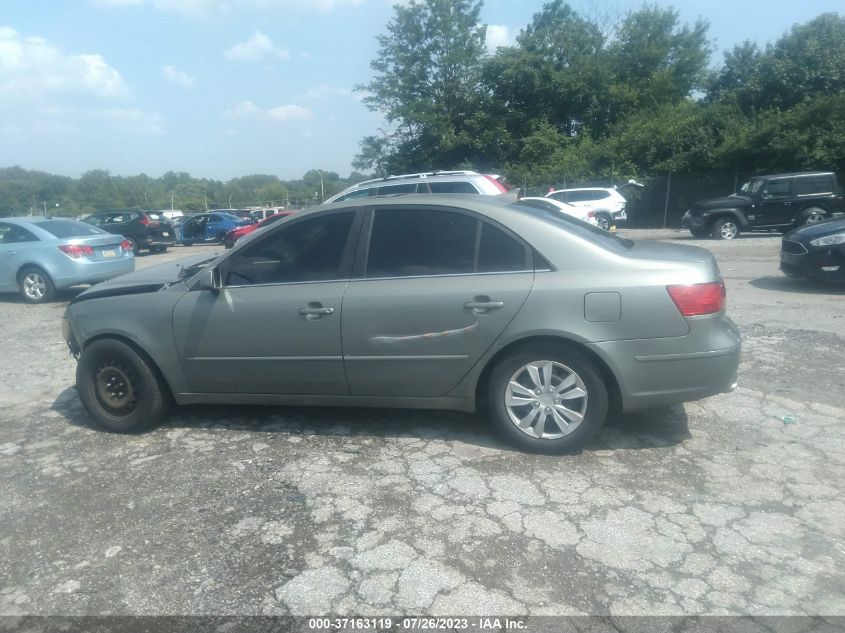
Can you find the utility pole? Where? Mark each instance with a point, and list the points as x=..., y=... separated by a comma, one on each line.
x=171, y=201
x=322, y=190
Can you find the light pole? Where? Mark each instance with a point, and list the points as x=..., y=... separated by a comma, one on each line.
x=322, y=190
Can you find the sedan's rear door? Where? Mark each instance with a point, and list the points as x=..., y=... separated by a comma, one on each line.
x=435, y=288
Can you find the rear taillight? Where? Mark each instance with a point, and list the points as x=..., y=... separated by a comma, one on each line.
x=145, y=220
x=591, y=214
x=126, y=245
x=75, y=251
x=697, y=299
x=498, y=183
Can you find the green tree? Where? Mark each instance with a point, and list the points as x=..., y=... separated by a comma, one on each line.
x=426, y=86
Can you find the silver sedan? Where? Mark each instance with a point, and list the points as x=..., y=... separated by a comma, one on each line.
x=420, y=301
x=39, y=255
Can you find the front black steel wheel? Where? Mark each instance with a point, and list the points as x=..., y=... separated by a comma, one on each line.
x=121, y=390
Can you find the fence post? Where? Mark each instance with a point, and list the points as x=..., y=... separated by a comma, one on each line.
x=666, y=204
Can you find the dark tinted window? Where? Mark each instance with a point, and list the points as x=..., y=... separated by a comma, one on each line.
x=352, y=195
x=68, y=228
x=815, y=184
x=499, y=252
x=14, y=234
x=407, y=243
x=776, y=188
x=452, y=187
x=310, y=250
x=393, y=189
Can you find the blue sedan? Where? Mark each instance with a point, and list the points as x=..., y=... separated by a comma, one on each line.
x=207, y=227
x=40, y=255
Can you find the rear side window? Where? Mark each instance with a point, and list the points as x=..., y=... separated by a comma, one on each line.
x=68, y=228
x=813, y=185
x=410, y=243
x=452, y=187
x=394, y=189
x=499, y=252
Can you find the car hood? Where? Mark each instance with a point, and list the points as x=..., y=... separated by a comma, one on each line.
x=812, y=231
x=150, y=279
x=728, y=202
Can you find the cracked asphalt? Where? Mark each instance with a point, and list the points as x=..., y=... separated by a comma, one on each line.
x=730, y=505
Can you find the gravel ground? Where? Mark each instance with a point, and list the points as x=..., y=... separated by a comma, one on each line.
x=731, y=505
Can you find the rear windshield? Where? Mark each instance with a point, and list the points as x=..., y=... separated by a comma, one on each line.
x=68, y=228
x=157, y=217
x=576, y=226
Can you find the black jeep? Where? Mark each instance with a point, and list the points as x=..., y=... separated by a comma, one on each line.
x=778, y=201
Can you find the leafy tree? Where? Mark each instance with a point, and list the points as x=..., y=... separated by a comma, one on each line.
x=426, y=86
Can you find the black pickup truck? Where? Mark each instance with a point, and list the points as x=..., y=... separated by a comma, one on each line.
x=778, y=201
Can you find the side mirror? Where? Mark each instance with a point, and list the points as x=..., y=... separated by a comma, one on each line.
x=210, y=280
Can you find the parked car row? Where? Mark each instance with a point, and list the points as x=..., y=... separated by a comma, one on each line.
x=40, y=255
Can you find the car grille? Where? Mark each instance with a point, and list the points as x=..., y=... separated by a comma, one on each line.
x=794, y=248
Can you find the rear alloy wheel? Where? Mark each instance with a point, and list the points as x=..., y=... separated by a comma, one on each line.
x=35, y=285
x=603, y=221
x=120, y=390
x=814, y=216
x=221, y=237
x=547, y=401
x=725, y=229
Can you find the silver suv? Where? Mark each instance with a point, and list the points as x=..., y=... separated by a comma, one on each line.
x=429, y=182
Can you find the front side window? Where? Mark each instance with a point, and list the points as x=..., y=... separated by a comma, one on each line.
x=353, y=195
x=412, y=243
x=309, y=250
x=776, y=188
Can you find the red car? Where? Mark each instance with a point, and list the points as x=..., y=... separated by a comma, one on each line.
x=233, y=235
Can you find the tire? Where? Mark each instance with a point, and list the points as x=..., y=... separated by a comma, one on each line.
x=813, y=215
x=135, y=248
x=121, y=390
x=604, y=221
x=699, y=232
x=725, y=229
x=566, y=365
x=158, y=249
x=221, y=237
x=35, y=285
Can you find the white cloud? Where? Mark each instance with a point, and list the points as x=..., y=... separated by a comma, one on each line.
x=31, y=67
x=498, y=35
x=257, y=48
x=324, y=91
x=205, y=9
x=134, y=121
x=180, y=77
x=290, y=112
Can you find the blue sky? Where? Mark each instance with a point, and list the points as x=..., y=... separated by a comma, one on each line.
x=224, y=88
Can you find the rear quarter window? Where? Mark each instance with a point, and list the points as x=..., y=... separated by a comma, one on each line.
x=813, y=185
x=452, y=187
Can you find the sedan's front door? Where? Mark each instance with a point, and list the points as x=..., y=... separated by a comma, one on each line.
x=438, y=288
x=274, y=327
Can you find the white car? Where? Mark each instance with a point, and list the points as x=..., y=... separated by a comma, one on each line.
x=607, y=204
x=582, y=213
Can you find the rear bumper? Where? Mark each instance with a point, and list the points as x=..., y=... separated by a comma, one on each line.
x=620, y=216
x=660, y=372
x=84, y=272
